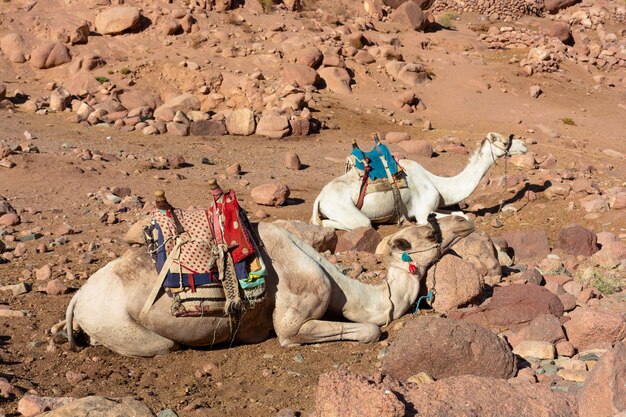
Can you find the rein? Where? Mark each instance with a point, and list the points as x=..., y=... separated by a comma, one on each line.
x=507, y=155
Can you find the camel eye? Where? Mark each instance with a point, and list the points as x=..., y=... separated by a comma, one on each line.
x=400, y=244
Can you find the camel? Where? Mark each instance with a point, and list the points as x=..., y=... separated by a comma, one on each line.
x=335, y=206
x=302, y=287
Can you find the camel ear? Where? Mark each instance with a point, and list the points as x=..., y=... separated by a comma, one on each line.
x=400, y=244
x=492, y=137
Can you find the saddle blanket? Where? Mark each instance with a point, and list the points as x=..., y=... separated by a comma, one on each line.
x=377, y=168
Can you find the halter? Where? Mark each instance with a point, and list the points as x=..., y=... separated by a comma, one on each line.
x=507, y=153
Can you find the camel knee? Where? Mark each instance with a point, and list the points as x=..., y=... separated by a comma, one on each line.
x=369, y=333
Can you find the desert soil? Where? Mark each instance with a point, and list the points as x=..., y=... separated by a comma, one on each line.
x=474, y=91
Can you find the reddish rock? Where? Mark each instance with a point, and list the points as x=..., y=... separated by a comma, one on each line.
x=272, y=194
x=44, y=273
x=553, y=6
x=341, y=394
x=395, y=137
x=561, y=31
x=320, y=238
x=511, y=306
x=527, y=244
x=234, y=169
x=594, y=204
x=545, y=328
x=271, y=126
x=116, y=20
x=364, y=239
x=12, y=45
x=336, y=79
x=469, y=350
x=55, y=287
x=577, y=240
x=50, y=55
x=302, y=74
x=292, y=161
x=9, y=219
x=417, y=147
x=456, y=281
x=587, y=327
x=479, y=250
x=604, y=392
x=410, y=15
x=299, y=126
x=310, y=56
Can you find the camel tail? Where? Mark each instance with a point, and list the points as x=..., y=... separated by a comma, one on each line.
x=69, y=321
x=316, y=219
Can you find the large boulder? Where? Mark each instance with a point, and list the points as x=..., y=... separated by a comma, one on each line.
x=320, y=238
x=184, y=103
x=241, y=122
x=553, y=6
x=577, y=240
x=272, y=126
x=527, y=244
x=102, y=407
x=410, y=15
x=12, y=45
x=445, y=347
x=342, y=394
x=271, y=194
x=478, y=249
x=302, y=74
x=588, y=327
x=545, y=328
x=604, y=392
x=456, y=281
x=50, y=55
x=336, y=79
x=133, y=98
x=512, y=306
x=115, y=20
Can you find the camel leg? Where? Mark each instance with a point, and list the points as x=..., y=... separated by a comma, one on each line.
x=343, y=215
x=317, y=331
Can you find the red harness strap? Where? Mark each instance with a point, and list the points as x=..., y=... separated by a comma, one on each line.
x=363, y=189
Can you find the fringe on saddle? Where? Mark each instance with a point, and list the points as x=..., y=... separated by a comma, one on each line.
x=207, y=260
x=379, y=172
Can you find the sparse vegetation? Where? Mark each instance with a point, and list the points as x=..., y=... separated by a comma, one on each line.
x=101, y=79
x=268, y=5
x=555, y=271
x=568, y=121
x=606, y=282
x=125, y=71
x=447, y=19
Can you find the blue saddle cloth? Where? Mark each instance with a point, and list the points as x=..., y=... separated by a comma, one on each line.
x=377, y=168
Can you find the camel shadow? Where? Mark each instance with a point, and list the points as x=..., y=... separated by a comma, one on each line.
x=517, y=197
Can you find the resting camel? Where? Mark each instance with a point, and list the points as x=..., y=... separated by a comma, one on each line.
x=302, y=288
x=335, y=206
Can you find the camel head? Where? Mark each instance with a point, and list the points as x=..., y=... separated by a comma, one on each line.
x=502, y=145
x=425, y=244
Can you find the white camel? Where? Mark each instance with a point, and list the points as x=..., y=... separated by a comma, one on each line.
x=335, y=206
x=302, y=288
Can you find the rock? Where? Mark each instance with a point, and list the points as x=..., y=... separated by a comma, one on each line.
x=374, y=9
x=104, y=407
x=512, y=306
x=55, y=287
x=302, y=74
x=561, y=31
x=565, y=348
x=527, y=243
x=364, y=58
x=310, y=56
x=44, y=273
x=272, y=194
x=535, y=91
x=234, y=169
x=594, y=204
x=299, y=126
x=116, y=20
x=544, y=328
x=9, y=219
x=241, y=122
x=588, y=327
x=59, y=99
x=410, y=15
x=292, y=161
x=30, y=405
x=12, y=45
x=50, y=55
x=208, y=128
x=320, y=238
x=532, y=276
x=3, y=95
x=336, y=79
x=395, y=137
x=178, y=129
x=183, y=103
x=535, y=349
x=341, y=394
x=469, y=350
x=364, y=239
x=553, y=6
x=456, y=281
x=142, y=103
x=577, y=240
x=417, y=148
x=604, y=392
x=479, y=250
x=274, y=127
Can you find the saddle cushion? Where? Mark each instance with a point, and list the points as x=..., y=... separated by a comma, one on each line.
x=376, y=163
x=194, y=265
